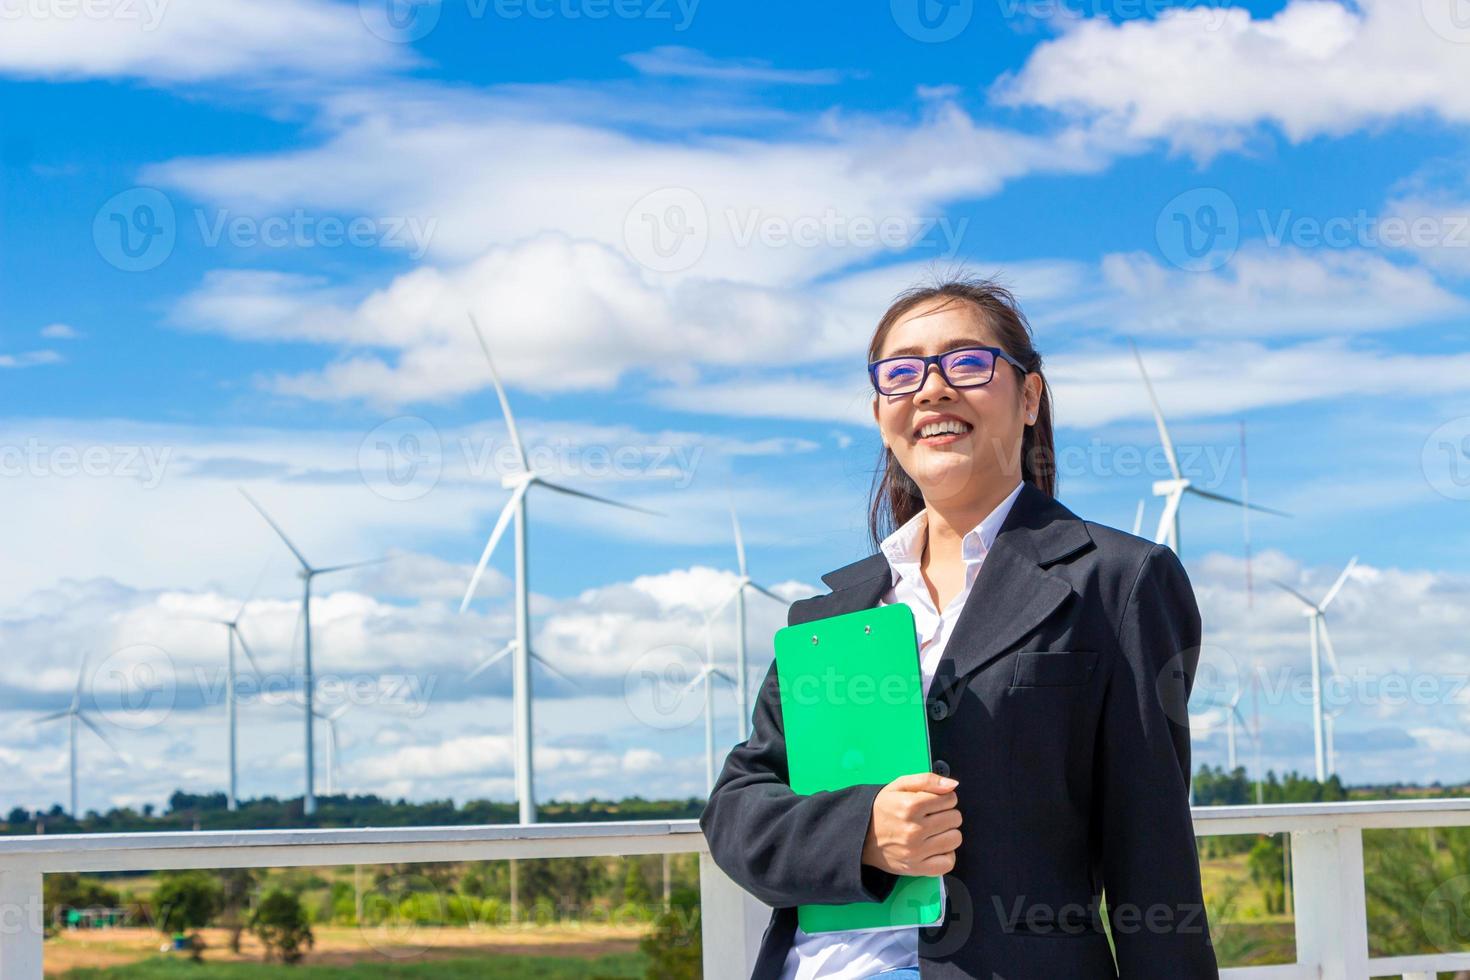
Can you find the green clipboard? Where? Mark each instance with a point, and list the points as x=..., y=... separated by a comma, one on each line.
x=852, y=706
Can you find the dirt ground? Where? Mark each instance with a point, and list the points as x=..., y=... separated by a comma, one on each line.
x=346, y=944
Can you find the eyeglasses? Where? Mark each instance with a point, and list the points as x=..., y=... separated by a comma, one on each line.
x=963, y=367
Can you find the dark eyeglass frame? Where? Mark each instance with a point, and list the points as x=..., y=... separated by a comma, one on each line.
x=938, y=360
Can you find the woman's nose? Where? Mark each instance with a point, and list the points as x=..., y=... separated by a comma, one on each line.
x=934, y=386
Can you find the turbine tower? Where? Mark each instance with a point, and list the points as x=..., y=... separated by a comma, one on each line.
x=519, y=483
x=233, y=635
x=306, y=574
x=1174, y=488
x=706, y=676
x=74, y=714
x=738, y=594
x=1316, y=613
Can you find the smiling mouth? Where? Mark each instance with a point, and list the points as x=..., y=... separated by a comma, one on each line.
x=939, y=433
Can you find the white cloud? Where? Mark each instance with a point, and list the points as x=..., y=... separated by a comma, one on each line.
x=1204, y=79
x=194, y=40
x=60, y=331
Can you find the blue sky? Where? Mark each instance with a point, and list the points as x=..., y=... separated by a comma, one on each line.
x=240, y=241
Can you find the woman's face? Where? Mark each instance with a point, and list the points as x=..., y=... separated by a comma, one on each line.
x=992, y=416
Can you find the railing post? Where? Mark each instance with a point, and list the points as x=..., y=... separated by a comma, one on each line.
x=1421, y=975
x=1328, y=901
x=22, y=919
x=731, y=921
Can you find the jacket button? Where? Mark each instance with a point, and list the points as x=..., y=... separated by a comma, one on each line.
x=938, y=709
x=941, y=767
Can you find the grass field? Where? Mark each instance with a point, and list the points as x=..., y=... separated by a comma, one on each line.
x=618, y=965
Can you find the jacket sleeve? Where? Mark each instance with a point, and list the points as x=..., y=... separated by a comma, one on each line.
x=1150, y=866
x=786, y=848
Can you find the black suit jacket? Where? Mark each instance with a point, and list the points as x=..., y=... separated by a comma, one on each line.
x=1060, y=707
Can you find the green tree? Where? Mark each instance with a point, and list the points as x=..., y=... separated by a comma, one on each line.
x=1268, y=872
x=279, y=921
x=673, y=948
x=187, y=901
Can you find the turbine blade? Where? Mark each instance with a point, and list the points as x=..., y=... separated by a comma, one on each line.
x=710, y=616
x=1158, y=414
x=354, y=564
x=765, y=591
x=105, y=738
x=249, y=654
x=1337, y=586
x=1138, y=518
x=592, y=496
x=254, y=588
x=277, y=528
x=1305, y=601
x=739, y=541
x=703, y=671
x=51, y=717
x=1231, y=500
x=1327, y=644
x=500, y=525
x=543, y=662
x=717, y=672
x=490, y=661
x=510, y=420
x=76, y=697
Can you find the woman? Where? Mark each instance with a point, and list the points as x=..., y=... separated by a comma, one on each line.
x=1057, y=656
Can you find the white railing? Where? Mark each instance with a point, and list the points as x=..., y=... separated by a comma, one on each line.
x=1326, y=845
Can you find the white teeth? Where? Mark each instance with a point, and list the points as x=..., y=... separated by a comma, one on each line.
x=938, y=428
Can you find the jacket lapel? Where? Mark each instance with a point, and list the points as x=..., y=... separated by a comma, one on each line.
x=1013, y=592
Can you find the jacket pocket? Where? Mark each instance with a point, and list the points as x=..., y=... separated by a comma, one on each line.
x=1053, y=668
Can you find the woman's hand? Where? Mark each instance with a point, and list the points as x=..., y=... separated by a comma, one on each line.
x=914, y=828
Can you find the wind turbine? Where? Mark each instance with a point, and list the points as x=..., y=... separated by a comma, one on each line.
x=738, y=594
x=519, y=483
x=233, y=635
x=1316, y=613
x=306, y=574
x=706, y=676
x=74, y=714
x=330, y=717
x=1174, y=488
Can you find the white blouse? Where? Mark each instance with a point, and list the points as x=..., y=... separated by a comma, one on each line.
x=857, y=955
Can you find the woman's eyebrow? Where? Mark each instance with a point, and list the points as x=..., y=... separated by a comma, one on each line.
x=948, y=345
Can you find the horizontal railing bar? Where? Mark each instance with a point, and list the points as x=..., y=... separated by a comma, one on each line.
x=1214, y=821
x=1397, y=966
x=302, y=848
x=1275, y=971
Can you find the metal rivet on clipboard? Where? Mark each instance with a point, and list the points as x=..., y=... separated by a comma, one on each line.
x=867, y=629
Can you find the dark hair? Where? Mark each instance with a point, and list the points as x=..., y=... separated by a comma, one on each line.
x=895, y=497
